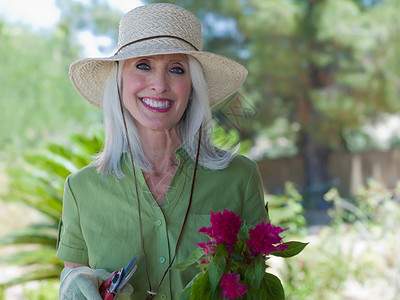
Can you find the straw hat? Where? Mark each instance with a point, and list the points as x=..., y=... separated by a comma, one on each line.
x=158, y=29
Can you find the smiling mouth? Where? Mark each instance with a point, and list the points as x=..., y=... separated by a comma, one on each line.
x=160, y=105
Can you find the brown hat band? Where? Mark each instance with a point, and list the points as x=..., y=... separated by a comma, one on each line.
x=153, y=37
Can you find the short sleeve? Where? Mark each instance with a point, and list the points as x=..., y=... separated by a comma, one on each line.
x=254, y=209
x=71, y=244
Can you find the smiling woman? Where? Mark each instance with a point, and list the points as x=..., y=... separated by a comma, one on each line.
x=156, y=91
x=159, y=175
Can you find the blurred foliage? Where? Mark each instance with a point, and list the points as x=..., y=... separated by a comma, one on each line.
x=47, y=290
x=229, y=140
x=36, y=99
x=94, y=16
x=38, y=182
x=375, y=211
x=322, y=271
x=227, y=118
x=287, y=210
x=359, y=247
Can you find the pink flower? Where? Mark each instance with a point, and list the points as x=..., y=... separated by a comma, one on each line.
x=224, y=228
x=207, y=247
x=204, y=261
x=264, y=237
x=231, y=288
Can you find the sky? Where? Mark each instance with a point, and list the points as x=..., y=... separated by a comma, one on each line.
x=40, y=14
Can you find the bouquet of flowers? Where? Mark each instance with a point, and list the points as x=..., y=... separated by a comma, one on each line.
x=233, y=263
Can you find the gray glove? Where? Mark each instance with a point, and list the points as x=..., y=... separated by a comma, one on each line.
x=83, y=283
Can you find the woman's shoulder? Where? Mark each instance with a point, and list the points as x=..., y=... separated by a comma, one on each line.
x=86, y=176
x=241, y=167
x=242, y=162
x=85, y=172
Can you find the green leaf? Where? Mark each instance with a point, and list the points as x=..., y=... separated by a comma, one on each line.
x=293, y=249
x=59, y=165
x=43, y=272
x=29, y=237
x=244, y=231
x=271, y=288
x=201, y=287
x=185, y=294
x=255, y=273
x=240, y=246
x=39, y=183
x=221, y=248
x=193, y=257
x=216, y=270
x=42, y=256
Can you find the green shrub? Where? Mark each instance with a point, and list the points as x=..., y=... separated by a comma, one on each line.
x=286, y=210
x=359, y=247
x=38, y=183
x=47, y=290
x=323, y=268
x=375, y=211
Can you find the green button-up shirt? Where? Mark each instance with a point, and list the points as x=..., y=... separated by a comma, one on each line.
x=100, y=225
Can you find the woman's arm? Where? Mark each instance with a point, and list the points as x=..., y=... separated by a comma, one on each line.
x=73, y=265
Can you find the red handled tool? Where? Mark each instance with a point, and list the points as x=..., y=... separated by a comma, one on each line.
x=110, y=288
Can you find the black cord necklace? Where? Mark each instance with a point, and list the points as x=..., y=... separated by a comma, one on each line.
x=151, y=293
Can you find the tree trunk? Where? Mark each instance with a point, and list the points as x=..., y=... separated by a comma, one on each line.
x=317, y=178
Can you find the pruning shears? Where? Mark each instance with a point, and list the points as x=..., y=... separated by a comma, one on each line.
x=110, y=288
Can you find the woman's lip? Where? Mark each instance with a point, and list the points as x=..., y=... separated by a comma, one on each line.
x=157, y=104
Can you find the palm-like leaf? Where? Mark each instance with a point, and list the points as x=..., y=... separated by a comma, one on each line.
x=39, y=184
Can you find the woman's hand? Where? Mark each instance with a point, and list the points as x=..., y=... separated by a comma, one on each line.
x=79, y=282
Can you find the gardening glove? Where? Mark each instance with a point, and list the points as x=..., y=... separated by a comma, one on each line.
x=83, y=283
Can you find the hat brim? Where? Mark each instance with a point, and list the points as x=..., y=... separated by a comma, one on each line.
x=223, y=76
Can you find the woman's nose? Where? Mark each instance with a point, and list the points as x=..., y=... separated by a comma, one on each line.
x=159, y=82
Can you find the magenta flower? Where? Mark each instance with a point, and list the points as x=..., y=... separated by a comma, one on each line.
x=204, y=261
x=231, y=288
x=225, y=227
x=264, y=238
x=207, y=247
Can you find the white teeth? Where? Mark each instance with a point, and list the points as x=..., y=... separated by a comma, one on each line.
x=156, y=104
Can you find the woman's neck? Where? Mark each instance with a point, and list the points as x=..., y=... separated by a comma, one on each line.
x=159, y=148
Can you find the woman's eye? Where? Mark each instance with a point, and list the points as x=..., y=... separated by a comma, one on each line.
x=143, y=66
x=177, y=70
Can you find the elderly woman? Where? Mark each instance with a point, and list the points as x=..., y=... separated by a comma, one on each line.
x=159, y=175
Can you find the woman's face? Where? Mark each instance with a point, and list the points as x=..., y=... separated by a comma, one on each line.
x=156, y=90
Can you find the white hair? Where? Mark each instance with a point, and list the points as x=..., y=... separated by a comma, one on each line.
x=196, y=115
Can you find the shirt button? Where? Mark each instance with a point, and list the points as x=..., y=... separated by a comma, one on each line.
x=158, y=222
x=164, y=296
x=162, y=259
